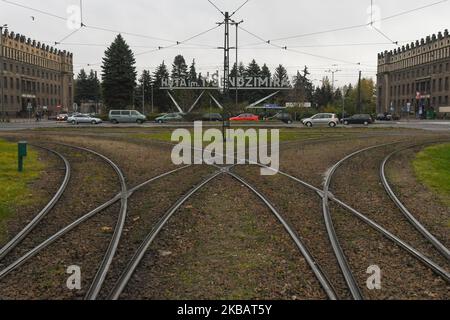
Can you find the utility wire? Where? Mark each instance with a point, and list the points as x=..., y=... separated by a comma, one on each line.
x=296, y=51
x=239, y=8
x=412, y=10
x=35, y=10
x=362, y=25
x=171, y=46
x=214, y=5
x=197, y=46
x=384, y=35
x=69, y=35
x=325, y=45
x=87, y=26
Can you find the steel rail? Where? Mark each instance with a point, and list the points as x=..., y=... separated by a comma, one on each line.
x=19, y=262
x=118, y=230
x=338, y=252
x=301, y=246
x=18, y=238
x=410, y=249
x=416, y=223
x=140, y=252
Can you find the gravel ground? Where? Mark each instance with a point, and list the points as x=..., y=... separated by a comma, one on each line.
x=310, y=162
x=144, y=211
x=220, y=247
x=138, y=161
x=303, y=209
x=357, y=183
x=40, y=273
x=224, y=243
x=422, y=202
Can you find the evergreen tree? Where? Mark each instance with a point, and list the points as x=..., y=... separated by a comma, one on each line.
x=266, y=74
x=179, y=68
x=81, y=87
x=143, y=90
x=303, y=87
x=281, y=75
x=253, y=71
x=94, y=88
x=119, y=75
x=161, y=98
x=192, y=73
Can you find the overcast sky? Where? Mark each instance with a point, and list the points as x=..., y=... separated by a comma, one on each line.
x=177, y=20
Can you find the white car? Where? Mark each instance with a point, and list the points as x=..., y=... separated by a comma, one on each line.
x=83, y=118
x=322, y=119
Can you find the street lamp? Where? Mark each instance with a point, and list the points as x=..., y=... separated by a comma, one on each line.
x=2, y=84
x=152, y=96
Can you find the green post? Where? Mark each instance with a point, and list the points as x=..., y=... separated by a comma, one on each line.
x=22, y=148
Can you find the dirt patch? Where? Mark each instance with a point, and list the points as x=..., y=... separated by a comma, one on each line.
x=145, y=208
x=357, y=183
x=303, y=209
x=223, y=244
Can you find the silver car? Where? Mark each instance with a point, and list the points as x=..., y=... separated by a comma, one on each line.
x=322, y=119
x=83, y=118
x=126, y=116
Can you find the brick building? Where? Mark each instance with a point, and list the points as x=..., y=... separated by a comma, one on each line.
x=416, y=75
x=34, y=74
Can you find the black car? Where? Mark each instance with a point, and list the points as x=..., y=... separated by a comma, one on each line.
x=212, y=117
x=364, y=119
x=282, y=116
x=384, y=117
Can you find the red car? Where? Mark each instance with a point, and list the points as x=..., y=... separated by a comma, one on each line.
x=245, y=117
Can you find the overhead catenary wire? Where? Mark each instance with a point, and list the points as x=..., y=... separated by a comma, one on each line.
x=296, y=51
x=357, y=26
x=167, y=47
x=239, y=8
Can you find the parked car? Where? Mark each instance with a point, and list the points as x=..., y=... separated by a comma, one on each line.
x=212, y=117
x=62, y=117
x=364, y=119
x=322, y=119
x=384, y=117
x=245, y=117
x=126, y=116
x=169, y=118
x=284, y=117
x=83, y=118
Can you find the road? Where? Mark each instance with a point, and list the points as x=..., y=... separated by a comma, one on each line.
x=430, y=125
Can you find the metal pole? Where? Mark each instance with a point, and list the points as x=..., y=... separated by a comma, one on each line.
x=359, y=94
x=237, y=66
x=1, y=74
x=237, y=61
x=143, y=95
x=152, y=97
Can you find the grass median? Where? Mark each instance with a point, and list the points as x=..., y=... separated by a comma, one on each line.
x=15, y=187
x=432, y=167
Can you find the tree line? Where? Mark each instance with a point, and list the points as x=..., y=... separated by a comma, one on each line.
x=121, y=88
